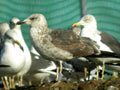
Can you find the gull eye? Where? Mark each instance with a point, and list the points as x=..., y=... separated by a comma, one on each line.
x=12, y=23
x=32, y=18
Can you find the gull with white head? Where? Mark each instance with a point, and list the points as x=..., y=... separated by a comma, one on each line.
x=17, y=29
x=105, y=41
x=15, y=56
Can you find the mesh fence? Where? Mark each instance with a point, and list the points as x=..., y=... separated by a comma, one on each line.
x=59, y=13
x=107, y=13
x=63, y=13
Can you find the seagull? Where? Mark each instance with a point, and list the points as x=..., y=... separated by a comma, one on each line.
x=58, y=45
x=9, y=65
x=17, y=30
x=27, y=54
x=15, y=58
x=4, y=27
x=105, y=41
x=41, y=69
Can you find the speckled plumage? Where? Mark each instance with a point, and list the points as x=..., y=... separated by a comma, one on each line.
x=58, y=44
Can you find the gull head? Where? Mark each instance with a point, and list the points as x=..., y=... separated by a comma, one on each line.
x=13, y=23
x=4, y=27
x=35, y=20
x=86, y=21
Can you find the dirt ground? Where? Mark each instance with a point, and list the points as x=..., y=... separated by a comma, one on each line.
x=111, y=84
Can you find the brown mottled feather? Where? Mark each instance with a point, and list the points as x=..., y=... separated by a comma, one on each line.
x=69, y=41
x=58, y=44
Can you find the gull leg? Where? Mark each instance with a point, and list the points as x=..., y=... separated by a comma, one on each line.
x=85, y=73
x=10, y=81
x=13, y=83
x=57, y=78
x=30, y=83
x=97, y=73
x=4, y=84
x=103, y=70
x=21, y=80
x=115, y=74
x=18, y=78
x=60, y=74
x=5, y=78
x=57, y=73
x=7, y=82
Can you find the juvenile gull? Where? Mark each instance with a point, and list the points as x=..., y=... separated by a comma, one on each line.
x=105, y=41
x=58, y=45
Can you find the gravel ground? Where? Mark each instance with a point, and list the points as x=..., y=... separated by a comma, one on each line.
x=111, y=84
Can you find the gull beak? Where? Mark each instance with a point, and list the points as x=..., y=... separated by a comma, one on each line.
x=20, y=22
x=26, y=21
x=77, y=24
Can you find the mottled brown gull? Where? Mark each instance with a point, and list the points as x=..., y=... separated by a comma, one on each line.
x=58, y=45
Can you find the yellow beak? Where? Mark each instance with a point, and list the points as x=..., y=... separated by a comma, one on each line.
x=75, y=24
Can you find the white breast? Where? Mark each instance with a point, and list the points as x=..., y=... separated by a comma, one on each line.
x=95, y=35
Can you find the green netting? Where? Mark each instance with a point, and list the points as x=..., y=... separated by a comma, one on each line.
x=63, y=13
x=107, y=13
x=59, y=13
